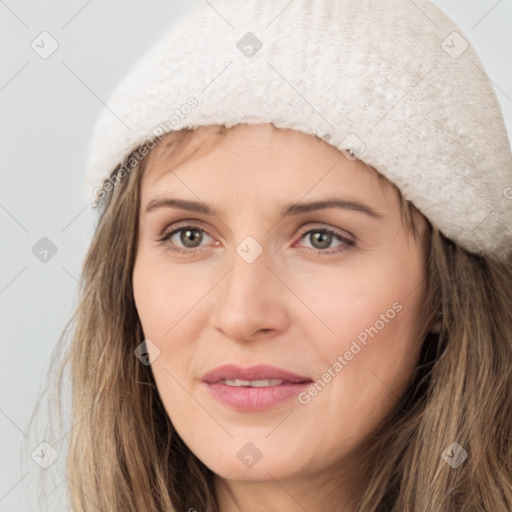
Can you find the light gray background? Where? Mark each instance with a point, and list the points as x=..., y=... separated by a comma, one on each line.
x=47, y=111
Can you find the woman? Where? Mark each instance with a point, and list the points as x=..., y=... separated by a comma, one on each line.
x=299, y=292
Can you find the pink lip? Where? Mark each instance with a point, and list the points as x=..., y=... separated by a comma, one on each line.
x=249, y=398
x=259, y=372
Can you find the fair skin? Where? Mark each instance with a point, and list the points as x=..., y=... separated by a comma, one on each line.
x=299, y=305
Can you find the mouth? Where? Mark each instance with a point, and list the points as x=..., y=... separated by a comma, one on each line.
x=256, y=376
x=261, y=383
x=256, y=388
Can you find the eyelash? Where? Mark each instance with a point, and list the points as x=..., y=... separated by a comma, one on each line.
x=348, y=244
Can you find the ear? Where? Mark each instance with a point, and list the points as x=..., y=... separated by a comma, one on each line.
x=436, y=328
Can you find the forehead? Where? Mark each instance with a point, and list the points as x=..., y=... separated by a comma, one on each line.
x=258, y=168
x=260, y=158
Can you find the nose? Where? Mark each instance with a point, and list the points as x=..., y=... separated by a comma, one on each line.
x=251, y=300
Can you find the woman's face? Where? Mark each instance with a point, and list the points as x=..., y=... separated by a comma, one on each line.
x=250, y=285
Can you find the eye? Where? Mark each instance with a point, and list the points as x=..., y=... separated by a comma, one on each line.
x=189, y=236
x=321, y=238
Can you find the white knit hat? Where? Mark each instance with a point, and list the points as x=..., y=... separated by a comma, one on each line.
x=393, y=83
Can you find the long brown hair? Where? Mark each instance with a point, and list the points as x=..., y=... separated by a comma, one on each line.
x=124, y=454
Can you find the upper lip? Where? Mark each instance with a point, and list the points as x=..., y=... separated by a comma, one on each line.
x=259, y=372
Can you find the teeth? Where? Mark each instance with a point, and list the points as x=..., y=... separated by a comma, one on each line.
x=253, y=383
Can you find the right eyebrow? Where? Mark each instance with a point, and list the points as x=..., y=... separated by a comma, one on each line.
x=183, y=204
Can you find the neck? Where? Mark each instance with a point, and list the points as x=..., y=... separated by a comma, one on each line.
x=308, y=493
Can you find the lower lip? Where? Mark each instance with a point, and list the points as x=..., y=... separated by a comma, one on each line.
x=246, y=398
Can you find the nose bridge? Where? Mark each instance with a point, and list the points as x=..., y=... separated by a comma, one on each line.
x=248, y=298
x=249, y=274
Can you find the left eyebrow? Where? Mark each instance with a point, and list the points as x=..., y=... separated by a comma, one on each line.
x=298, y=208
x=291, y=209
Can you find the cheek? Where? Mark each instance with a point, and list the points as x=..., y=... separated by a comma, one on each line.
x=170, y=306
x=374, y=314
x=348, y=302
x=163, y=296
